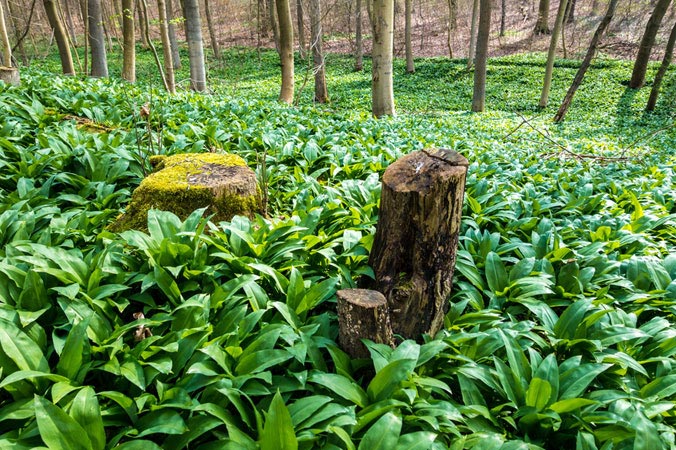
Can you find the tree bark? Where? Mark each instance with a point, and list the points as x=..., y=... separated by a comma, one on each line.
x=129, y=41
x=166, y=47
x=570, y=11
x=274, y=24
x=321, y=93
x=551, y=54
x=362, y=314
x=212, y=30
x=414, y=250
x=359, y=46
x=591, y=51
x=408, y=24
x=14, y=15
x=4, y=38
x=542, y=23
x=503, y=15
x=10, y=75
x=97, y=42
x=193, y=34
x=452, y=25
x=142, y=25
x=286, y=50
x=473, y=33
x=647, y=42
x=666, y=61
x=382, y=90
x=175, y=56
x=60, y=36
x=301, y=29
x=479, y=95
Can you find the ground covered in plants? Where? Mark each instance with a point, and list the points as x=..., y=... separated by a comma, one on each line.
x=192, y=334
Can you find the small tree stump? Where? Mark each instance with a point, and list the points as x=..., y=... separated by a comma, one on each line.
x=414, y=250
x=362, y=314
x=185, y=182
x=10, y=75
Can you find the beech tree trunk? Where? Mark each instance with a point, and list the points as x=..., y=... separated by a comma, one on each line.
x=647, y=42
x=362, y=314
x=551, y=54
x=414, y=250
x=503, y=15
x=408, y=24
x=479, y=95
x=142, y=20
x=591, y=51
x=359, y=47
x=473, y=33
x=542, y=23
x=382, y=90
x=666, y=61
x=193, y=34
x=301, y=29
x=4, y=40
x=570, y=11
x=286, y=50
x=321, y=93
x=451, y=25
x=129, y=41
x=274, y=24
x=60, y=36
x=175, y=56
x=166, y=47
x=212, y=30
x=97, y=42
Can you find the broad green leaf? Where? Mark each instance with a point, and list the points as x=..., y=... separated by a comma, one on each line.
x=389, y=378
x=341, y=386
x=138, y=444
x=57, y=429
x=20, y=348
x=278, y=432
x=538, y=394
x=74, y=351
x=163, y=421
x=571, y=404
x=496, y=274
x=262, y=360
x=85, y=410
x=383, y=434
x=419, y=440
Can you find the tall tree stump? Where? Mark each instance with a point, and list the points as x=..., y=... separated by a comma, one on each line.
x=10, y=75
x=414, y=250
x=362, y=314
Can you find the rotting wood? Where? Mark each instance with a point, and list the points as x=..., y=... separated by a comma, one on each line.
x=414, y=250
x=362, y=314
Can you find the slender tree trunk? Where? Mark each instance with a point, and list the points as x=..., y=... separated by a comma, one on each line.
x=452, y=25
x=542, y=24
x=14, y=15
x=97, y=41
x=144, y=6
x=472, y=33
x=286, y=50
x=129, y=41
x=142, y=25
x=60, y=36
x=175, y=56
x=84, y=8
x=166, y=46
x=647, y=42
x=193, y=34
x=408, y=24
x=359, y=46
x=551, y=55
x=301, y=29
x=70, y=24
x=382, y=90
x=321, y=93
x=570, y=11
x=503, y=14
x=212, y=30
x=4, y=38
x=479, y=97
x=666, y=61
x=274, y=24
x=591, y=51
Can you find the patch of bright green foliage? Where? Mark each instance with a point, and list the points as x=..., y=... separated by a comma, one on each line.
x=561, y=328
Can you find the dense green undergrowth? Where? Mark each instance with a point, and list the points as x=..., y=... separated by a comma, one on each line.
x=561, y=331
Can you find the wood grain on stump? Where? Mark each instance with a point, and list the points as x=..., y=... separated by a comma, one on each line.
x=414, y=250
x=362, y=314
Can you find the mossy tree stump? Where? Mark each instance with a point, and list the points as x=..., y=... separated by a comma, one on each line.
x=185, y=182
x=414, y=251
x=10, y=75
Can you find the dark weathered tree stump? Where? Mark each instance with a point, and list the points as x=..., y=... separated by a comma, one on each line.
x=10, y=75
x=414, y=251
x=362, y=314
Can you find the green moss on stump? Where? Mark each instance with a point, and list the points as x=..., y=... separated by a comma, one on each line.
x=186, y=182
